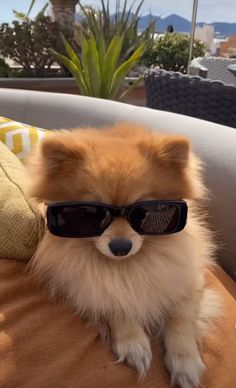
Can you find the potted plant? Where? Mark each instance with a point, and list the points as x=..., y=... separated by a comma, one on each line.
x=29, y=42
x=98, y=70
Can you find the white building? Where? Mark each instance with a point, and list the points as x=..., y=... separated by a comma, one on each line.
x=206, y=35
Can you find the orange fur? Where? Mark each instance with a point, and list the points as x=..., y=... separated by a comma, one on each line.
x=162, y=278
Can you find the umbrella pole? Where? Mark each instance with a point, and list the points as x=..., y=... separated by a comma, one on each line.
x=194, y=18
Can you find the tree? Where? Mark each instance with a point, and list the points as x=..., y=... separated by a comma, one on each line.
x=63, y=12
x=28, y=43
x=171, y=51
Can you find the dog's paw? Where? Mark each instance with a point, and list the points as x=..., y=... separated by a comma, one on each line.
x=185, y=370
x=136, y=352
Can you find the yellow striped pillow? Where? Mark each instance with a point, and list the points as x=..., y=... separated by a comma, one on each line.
x=20, y=138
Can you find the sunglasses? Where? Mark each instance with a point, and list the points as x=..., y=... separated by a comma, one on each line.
x=88, y=219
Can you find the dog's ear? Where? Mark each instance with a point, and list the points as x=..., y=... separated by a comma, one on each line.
x=175, y=149
x=51, y=165
x=58, y=151
x=167, y=149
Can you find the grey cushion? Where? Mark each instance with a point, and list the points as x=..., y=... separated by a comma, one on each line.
x=215, y=144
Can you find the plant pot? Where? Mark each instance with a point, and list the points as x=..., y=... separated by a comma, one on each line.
x=137, y=95
x=68, y=86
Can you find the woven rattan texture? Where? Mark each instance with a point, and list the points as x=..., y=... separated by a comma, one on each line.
x=192, y=96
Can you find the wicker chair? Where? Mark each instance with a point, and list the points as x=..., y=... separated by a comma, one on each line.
x=214, y=68
x=192, y=96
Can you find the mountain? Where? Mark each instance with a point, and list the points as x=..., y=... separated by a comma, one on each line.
x=145, y=20
x=181, y=24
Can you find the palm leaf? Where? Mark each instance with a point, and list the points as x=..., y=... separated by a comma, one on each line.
x=20, y=15
x=125, y=15
x=138, y=9
x=83, y=9
x=42, y=12
x=31, y=7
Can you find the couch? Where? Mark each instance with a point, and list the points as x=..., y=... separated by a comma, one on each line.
x=43, y=343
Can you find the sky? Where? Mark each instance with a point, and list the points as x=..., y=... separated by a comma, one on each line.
x=208, y=10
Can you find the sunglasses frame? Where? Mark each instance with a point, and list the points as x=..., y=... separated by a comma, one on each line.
x=119, y=211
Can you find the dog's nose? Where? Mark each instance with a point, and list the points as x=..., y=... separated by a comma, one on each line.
x=120, y=246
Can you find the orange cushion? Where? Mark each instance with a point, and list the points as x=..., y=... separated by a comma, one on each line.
x=45, y=345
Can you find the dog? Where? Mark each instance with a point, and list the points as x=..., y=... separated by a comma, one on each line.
x=114, y=197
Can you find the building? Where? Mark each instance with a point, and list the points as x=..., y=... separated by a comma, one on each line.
x=206, y=35
x=228, y=48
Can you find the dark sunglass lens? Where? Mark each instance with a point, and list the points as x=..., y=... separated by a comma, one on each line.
x=77, y=221
x=155, y=219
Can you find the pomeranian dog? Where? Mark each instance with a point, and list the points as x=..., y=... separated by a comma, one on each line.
x=126, y=243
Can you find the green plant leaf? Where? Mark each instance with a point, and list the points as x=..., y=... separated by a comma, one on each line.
x=83, y=9
x=124, y=10
x=20, y=15
x=31, y=7
x=101, y=50
x=124, y=22
x=111, y=59
x=78, y=75
x=123, y=69
x=91, y=65
x=73, y=56
x=42, y=12
x=125, y=16
x=105, y=17
x=94, y=67
x=84, y=61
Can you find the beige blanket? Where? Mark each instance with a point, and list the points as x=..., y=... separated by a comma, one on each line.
x=44, y=345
